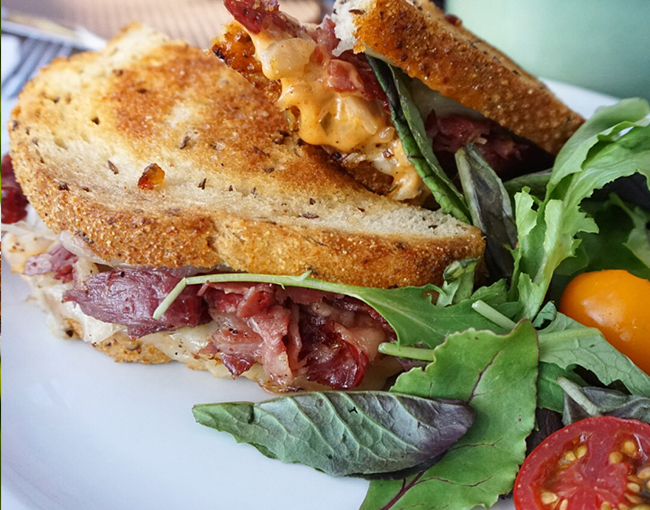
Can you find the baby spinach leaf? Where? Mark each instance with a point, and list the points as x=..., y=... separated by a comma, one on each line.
x=581, y=403
x=417, y=145
x=409, y=310
x=614, y=143
x=496, y=375
x=490, y=209
x=353, y=433
x=567, y=343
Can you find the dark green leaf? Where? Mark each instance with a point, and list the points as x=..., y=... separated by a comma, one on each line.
x=490, y=209
x=581, y=403
x=354, y=433
x=417, y=146
x=496, y=375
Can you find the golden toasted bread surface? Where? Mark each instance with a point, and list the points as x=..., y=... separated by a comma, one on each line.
x=237, y=188
x=417, y=37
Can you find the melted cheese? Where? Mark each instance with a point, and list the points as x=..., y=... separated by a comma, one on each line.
x=343, y=120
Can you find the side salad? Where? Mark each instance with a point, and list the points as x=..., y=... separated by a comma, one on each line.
x=490, y=362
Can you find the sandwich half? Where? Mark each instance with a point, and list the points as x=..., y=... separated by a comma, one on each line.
x=329, y=80
x=151, y=160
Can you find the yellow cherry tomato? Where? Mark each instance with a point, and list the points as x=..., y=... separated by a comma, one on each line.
x=617, y=303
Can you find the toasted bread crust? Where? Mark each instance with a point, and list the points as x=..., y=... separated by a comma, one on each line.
x=453, y=61
x=237, y=190
x=126, y=350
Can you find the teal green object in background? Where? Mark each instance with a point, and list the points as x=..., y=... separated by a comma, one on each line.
x=602, y=45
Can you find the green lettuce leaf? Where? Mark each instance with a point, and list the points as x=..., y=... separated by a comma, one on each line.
x=496, y=375
x=614, y=143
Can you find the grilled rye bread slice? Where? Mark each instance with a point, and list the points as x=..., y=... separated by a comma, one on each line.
x=417, y=37
x=91, y=133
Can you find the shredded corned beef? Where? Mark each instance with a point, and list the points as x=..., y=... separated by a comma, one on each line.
x=507, y=155
x=348, y=72
x=58, y=261
x=14, y=202
x=129, y=296
x=291, y=332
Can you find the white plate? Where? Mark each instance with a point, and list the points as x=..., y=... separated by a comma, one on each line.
x=81, y=432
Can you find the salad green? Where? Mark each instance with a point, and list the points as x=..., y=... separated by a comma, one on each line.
x=499, y=348
x=356, y=433
x=495, y=375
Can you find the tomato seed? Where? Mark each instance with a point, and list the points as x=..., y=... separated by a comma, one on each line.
x=634, y=487
x=641, y=507
x=629, y=448
x=615, y=457
x=570, y=456
x=605, y=506
x=564, y=505
x=581, y=451
x=644, y=474
x=548, y=498
x=633, y=498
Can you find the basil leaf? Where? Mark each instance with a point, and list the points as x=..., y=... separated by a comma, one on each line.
x=490, y=208
x=353, y=433
x=581, y=403
x=496, y=375
x=614, y=143
x=567, y=343
x=409, y=310
x=417, y=145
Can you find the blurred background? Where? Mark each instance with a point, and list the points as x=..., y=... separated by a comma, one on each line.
x=602, y=45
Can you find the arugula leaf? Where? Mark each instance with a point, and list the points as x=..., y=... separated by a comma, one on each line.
x=581, y=403
x=614, y=143
x=344, y=433
x=417, y=145
x=494, y=374
x=490, y=208
x=409, y=310
x=567, y=343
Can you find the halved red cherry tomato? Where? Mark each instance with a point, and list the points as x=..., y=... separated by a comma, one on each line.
x=598, y=463
x=617, y=303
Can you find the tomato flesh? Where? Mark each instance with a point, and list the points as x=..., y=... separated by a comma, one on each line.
x=600, y=463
